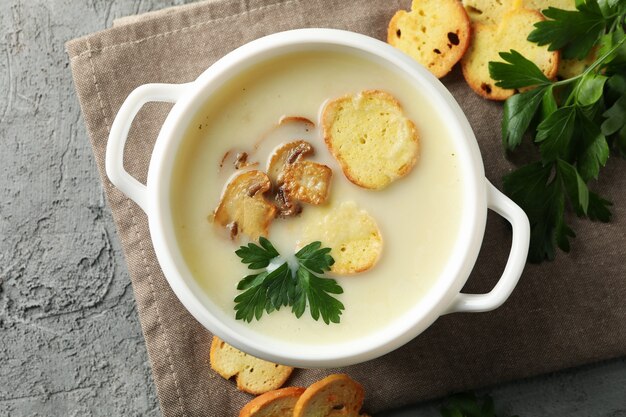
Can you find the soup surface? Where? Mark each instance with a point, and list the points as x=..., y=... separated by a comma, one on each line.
x=418, y=215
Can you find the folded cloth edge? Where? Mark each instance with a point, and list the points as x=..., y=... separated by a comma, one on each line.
x=161, y=23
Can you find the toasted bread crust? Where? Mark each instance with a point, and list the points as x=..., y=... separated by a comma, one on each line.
x=371, y=138
x=489, y=40
x=435, y=43
x=482, y=85
x=277, y=403
x=334, y=396
x=253, y=375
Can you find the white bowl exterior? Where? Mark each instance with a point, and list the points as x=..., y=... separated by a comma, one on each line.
x=399, y=332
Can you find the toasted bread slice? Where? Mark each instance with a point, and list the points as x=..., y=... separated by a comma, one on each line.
x=371, y=138
x=243, y=209
x=253, y=375
x=489, y=40
x=308, y=182
x=334, y=396
x=489, y=12
x=351, y=233
x=435, y=33
x=277, y=403
x=492, y=12
x=544, y=4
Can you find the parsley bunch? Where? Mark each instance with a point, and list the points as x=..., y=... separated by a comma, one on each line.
x=267, y=291
x=574, y=122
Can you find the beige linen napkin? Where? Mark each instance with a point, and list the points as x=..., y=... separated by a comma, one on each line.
x=562, y=314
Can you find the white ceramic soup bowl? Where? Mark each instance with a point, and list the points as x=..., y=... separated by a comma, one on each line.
x=444, y=296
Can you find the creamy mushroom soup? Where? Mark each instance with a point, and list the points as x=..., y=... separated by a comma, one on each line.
x=418, y=215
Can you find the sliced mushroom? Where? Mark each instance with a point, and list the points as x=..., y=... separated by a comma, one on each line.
x=286, y=155
x=236, y=160
x=241, y=161
x=243, y=208
x=296, y=180
x=286, y=206
x=307, y=181
x=287, y=126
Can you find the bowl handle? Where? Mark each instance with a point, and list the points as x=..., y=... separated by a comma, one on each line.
x=135, y=190
x=504, y=206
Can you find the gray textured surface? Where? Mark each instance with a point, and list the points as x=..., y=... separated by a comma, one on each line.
x=70, y=340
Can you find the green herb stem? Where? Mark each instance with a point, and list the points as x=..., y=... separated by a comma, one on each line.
x=601, y=60
x=591, y=67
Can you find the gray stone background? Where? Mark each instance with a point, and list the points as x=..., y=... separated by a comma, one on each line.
x=70, y=340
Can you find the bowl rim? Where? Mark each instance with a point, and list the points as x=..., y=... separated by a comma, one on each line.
x=443, y=292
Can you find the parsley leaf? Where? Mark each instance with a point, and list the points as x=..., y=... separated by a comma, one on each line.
x=607, y=45
x=264, y=291
x=519, y=111
x=598, y=208
x=574, y=185
x=281, y=288
x=574, y=32
x=518, y=72
x=555, y=132
x=315, y=259
x=252, y=281
x=611, y=4
x=595, y=149
x=251, y=303
x=315, y=291
x=548, y=103
x=614, y=124
x=268, y=291
x=542, y=198
x=615, y=117
x=590, y=89
x=257, y=256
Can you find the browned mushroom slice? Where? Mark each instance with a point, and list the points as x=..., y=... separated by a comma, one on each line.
x=287, y=206
x=243, y=209
x=307, y=181
x=287, y=126
x=296, y=119
x=296, y=180
x=241, y=161
x=286, y=155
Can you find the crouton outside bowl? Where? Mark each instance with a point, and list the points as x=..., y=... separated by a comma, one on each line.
x=443, y=296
